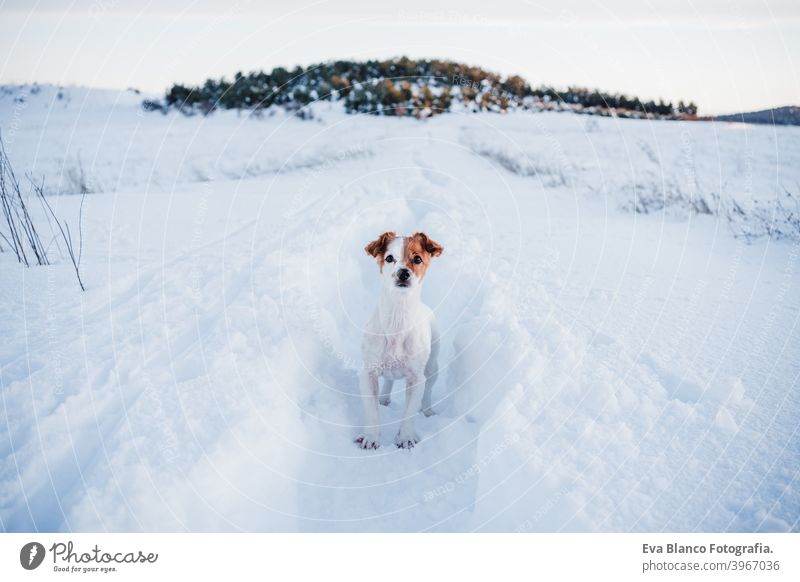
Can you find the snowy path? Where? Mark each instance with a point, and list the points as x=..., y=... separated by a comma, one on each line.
x=601, y=371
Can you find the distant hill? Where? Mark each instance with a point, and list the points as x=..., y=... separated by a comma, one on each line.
x=789, y=115
x=404, y=87
x=19, y=97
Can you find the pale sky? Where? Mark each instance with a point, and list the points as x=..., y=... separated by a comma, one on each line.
x=726, y=55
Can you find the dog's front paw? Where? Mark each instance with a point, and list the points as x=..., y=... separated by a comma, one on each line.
x=406, y=440
x=428, y=412
x=385, y=400
x=368, y=441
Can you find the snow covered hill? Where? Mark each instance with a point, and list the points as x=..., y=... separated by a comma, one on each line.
x=602, y=369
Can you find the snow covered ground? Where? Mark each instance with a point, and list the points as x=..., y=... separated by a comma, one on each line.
x=602, y=370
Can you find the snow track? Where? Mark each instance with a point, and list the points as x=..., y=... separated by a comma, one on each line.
x=599, y=370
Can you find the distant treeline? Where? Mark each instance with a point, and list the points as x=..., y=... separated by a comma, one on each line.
x=789, y=115
x=404, y=87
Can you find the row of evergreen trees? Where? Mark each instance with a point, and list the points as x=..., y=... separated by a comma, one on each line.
x=402, y=87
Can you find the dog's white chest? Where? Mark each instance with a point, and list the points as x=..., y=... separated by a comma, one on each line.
x=395, y=349
x=399, y=352
x=399, y=342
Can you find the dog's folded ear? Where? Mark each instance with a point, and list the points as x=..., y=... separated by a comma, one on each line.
x=430, y=245
x=377, y=247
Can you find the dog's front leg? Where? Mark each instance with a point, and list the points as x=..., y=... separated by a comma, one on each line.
x=386, y=391
x=368, y=383
x=415, y=387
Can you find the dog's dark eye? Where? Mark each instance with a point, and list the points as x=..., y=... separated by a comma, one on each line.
x=389, y=259
x=417, y=260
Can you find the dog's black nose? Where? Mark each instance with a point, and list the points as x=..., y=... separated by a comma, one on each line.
x=403, y=274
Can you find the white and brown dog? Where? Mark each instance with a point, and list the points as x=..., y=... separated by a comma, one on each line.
x=400, y=340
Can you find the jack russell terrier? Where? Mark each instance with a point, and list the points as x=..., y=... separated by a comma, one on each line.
x=400, y=340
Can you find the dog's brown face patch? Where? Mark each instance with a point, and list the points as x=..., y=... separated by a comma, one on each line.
x=377, y=248
x=418, y=253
